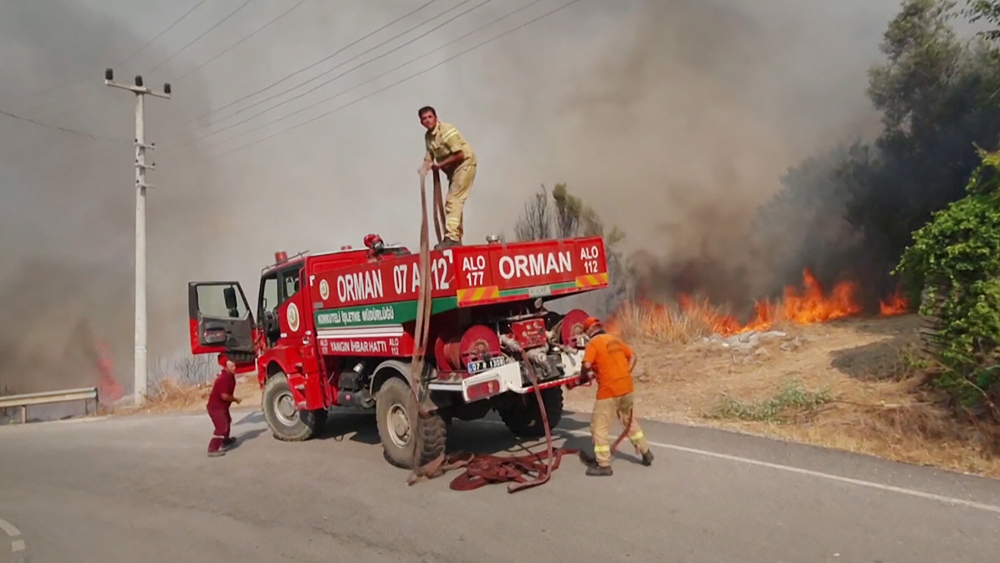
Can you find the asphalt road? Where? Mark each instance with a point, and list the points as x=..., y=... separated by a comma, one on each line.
x=142, y=489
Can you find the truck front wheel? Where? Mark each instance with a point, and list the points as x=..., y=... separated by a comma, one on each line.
x=392, y=410
x=286, y=421
x=524, y=419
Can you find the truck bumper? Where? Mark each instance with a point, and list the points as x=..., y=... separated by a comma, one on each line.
x=507, y=377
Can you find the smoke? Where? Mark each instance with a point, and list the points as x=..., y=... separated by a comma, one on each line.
x=67, y=207
x=674, y=119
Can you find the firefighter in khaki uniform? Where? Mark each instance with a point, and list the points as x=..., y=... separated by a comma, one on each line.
x=448, y=151
x=611, y=361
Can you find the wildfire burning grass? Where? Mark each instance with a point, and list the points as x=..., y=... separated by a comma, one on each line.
x=693, y=318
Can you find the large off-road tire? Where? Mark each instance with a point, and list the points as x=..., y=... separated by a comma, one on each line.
x=392, y=411
x=286, y=421
x=523, y=417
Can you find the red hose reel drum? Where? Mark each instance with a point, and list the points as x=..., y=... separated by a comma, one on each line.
x=572, y=326
x=454, y=352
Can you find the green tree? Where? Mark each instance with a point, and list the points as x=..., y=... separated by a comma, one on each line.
x=934, y=94
x=987, y=11
x=938, y=95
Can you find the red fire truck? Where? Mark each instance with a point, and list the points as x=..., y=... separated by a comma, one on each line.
x=337, y=330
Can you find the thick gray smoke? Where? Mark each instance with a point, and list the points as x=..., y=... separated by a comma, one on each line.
x=673, y=118
x=676, y=119
x=67, y=200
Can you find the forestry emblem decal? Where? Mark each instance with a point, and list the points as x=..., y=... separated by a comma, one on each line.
x=292, y=315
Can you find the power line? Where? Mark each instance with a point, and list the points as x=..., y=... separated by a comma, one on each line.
x=301, y=70
x=314, y=88
x=162, y=33
x=97, y=101
x=372, y=49
x=231, y=47
x=342, y=92
x=57, y=127
x=196, y=39
x=398, y=82
x=120, y=63
x=161, y=63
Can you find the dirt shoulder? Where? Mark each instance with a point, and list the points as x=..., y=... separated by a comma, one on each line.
x=847, y=385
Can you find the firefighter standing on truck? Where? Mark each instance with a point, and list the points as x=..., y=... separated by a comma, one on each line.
x=219, y=401
x=610, y=361
x=448, y=151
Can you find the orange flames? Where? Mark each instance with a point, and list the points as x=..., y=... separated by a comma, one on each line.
x=807, y=306
x=896, y=304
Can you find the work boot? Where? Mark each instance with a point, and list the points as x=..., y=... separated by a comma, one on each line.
x=647, y=458
x=446, y=243
x=600, y=471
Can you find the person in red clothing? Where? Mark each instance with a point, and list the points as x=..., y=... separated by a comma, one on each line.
x=219, y=401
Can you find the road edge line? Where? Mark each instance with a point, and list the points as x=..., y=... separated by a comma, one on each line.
x=808, y=472
x=9, y=528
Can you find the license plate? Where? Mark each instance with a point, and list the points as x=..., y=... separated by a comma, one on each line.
x=539, y=291
x=483, y=365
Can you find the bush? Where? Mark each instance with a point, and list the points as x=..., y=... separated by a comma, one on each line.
x=955, y=262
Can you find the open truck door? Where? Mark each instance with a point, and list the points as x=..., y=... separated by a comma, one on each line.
x=220, y=321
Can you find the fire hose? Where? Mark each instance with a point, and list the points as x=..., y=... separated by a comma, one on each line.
x=525, y=471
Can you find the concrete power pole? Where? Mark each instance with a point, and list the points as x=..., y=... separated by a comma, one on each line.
x=140, y=92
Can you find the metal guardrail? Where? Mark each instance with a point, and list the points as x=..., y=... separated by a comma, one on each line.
x=47, y=398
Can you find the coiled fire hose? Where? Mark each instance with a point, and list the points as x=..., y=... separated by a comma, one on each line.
x=481, y=469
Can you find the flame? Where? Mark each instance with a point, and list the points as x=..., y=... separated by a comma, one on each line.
x=896, y=304
x=109, y=390
x=809, y=305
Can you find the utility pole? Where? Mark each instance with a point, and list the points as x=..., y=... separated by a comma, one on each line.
x=140, y=92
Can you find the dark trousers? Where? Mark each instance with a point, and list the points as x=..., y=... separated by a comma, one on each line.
x=223, y=422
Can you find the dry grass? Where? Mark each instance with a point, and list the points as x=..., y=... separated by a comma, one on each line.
x=849, y=384
x=174, y=395
x=664, y=324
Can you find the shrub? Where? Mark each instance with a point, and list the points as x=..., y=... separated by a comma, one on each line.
x=955, y=261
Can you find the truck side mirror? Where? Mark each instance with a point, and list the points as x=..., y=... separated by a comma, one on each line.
x=230, y=294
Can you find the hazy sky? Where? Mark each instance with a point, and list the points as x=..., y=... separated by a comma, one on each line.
x=674, y=118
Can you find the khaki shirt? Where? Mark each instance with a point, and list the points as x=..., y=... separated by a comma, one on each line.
x=445, y=140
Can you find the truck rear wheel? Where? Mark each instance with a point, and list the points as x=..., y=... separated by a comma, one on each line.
x=394, y=429
x=286, y=421
x=524, y=419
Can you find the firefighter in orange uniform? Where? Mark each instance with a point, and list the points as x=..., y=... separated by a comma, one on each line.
x=610, y=360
